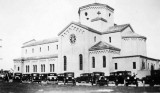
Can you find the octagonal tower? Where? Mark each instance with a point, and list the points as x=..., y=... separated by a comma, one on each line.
x=97, y=16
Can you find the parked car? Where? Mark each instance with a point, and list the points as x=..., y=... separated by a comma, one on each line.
x=35, y=77
x=96, y=77
x=84, y=77
x=103, y=80
x=153, y=79
x=43, y=77
x=26, y=78
x=131, y=80
x=17, y=77
x=123, y=77
x=69, y=78
x=61, y=77
x=52, y=78
x=111, y=78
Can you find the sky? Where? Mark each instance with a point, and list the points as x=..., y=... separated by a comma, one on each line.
x=24, y=20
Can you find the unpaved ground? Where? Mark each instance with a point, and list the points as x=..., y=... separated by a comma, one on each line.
x=79, y=88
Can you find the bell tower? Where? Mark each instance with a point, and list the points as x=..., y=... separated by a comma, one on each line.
x=97, y=16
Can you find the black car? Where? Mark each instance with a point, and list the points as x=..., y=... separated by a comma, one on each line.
x=96, y=77
x=26, y=77
x=153, y=79
x=111, y=78
x=103, y=80
x=84, y=77
x=131, y=80
x=124, y=77
x=35, y=77
x=7, y=77
x=17, y=77
x=52, y=78
x=120, y=77
x=43, y=77
x=69, y=78
x=61, y=77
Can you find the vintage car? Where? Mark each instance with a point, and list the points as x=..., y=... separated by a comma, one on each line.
x=123, y=77
x=111, y=78
x=17, y=77
x=60, y=77
x=35, y=77
x=7, y=77
x=96, y=77
x=26, y=78
x=43, y=77
x=52, y=78
x=103, y=80
x=131, y=80
x=153, y=79
x=84, y=77
x=69, y=78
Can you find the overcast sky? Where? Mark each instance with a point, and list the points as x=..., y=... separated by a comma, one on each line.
x=23, y=20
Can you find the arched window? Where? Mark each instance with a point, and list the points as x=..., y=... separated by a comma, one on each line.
x=65, y=63
x=104, y=61
x=32, y=50
x=26, y=68
x=94, y=38
x=93, y=62
x=41, y=68
x=80, y=62
x=152, y=67
x=110, y=40
x=18, y=68
x=26, y=51
x=48, y=48
x=40, y=49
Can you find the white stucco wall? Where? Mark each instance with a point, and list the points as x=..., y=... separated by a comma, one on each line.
x=38, y=62
x=126, y=64
x=72, y=51
x=115, y=39
x=16, y=65
x=98, y=54
x=133, y=46
x=44, y=50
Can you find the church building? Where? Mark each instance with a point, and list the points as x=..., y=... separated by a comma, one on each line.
x=94, y=44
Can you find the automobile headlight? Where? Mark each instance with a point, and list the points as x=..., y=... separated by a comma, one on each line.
x=67, y=78
x=127, y=77
x=72, y=77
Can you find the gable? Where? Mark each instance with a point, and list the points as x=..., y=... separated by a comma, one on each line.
x=127, y=30
x=102, y=46
x=77, y=26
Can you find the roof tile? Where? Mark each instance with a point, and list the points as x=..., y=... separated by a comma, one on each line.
x=103, y=45
x=116, y=28
x=132, y=35
x=36, y=57
x=45, y=41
